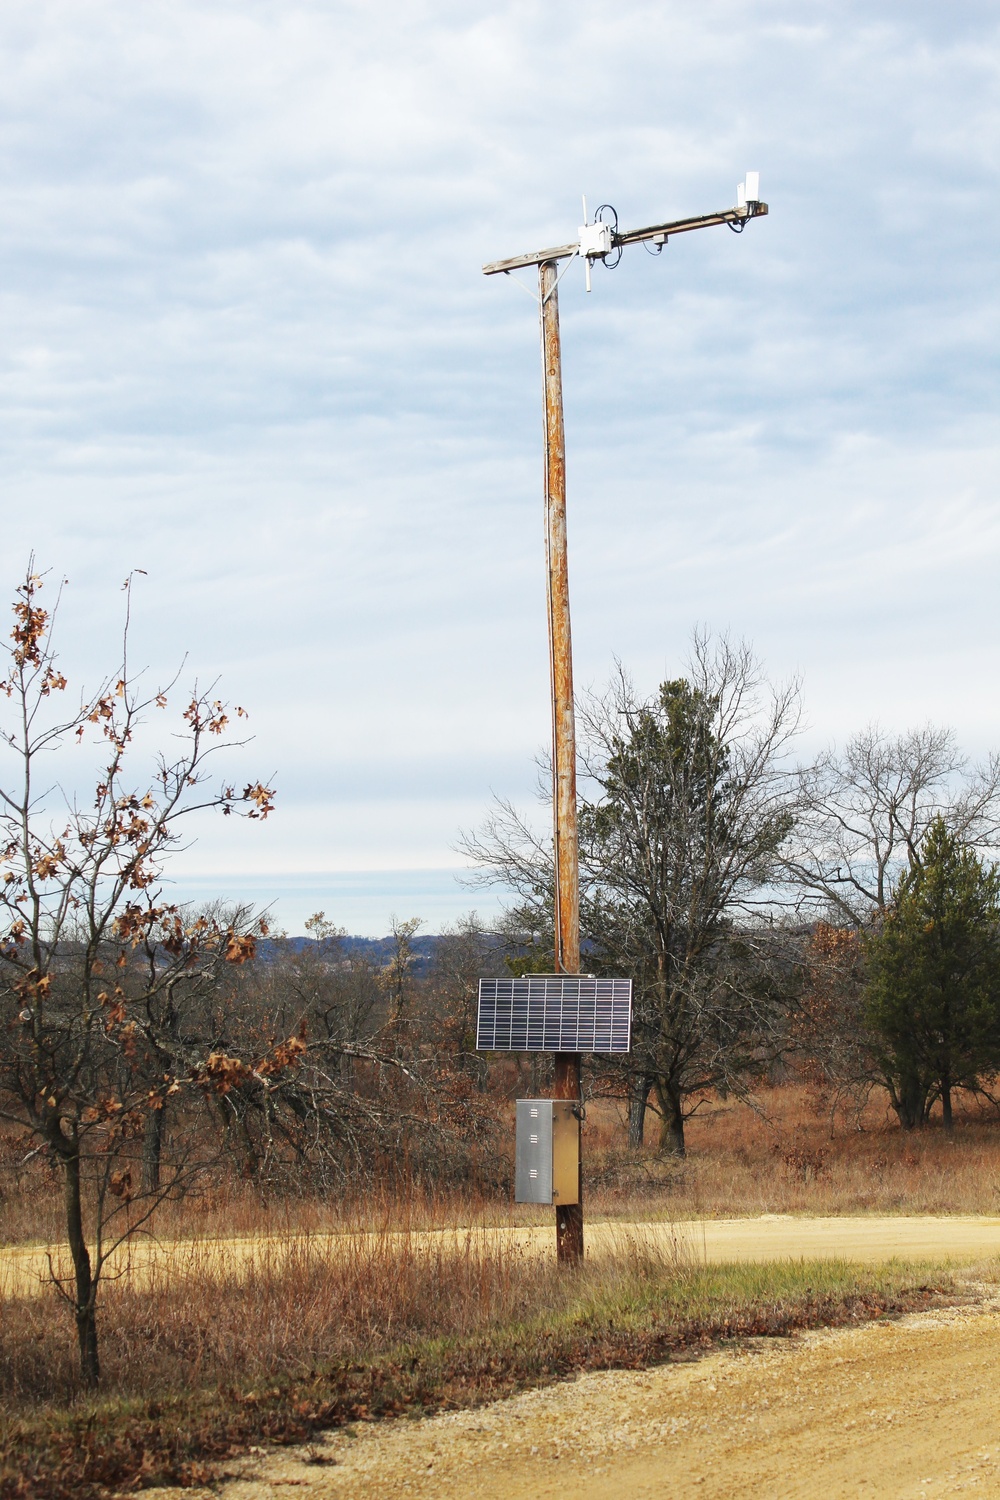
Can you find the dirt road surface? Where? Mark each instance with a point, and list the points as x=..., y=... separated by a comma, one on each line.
x=24, y=1270
x=905, y=1409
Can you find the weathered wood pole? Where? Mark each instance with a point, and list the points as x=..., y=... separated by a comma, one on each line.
x=566, y=861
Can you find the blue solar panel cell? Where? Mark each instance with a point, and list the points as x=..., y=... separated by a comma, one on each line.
x=554, y=1013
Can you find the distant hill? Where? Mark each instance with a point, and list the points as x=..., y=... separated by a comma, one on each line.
x=379, y=950
x=376, y=950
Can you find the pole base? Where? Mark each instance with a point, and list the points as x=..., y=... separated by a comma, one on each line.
x=569, y=1234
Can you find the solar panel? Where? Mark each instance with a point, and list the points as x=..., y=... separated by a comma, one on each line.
x=554, y=1013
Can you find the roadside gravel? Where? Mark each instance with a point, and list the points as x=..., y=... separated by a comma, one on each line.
x=907, y=1408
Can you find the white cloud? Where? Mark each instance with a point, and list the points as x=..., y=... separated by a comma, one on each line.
x=245, y=344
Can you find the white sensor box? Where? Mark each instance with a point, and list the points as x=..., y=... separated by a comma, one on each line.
x=595, y=240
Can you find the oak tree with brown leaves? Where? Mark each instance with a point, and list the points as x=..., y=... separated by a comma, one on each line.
x=94, y=963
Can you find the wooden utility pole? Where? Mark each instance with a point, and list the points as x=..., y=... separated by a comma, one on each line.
x=566, y=861
x=564, y=831
x=596, y=242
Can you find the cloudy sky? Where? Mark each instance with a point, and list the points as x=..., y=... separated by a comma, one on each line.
x=246, y=346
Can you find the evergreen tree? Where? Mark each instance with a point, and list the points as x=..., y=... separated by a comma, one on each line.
x=933, y=995
x=684, y=829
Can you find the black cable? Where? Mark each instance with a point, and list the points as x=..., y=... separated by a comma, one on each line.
x=739, y=226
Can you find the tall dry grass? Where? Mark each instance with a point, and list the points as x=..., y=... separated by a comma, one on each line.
x=291, y=1309
x=288, y=1306
x=793, y=1155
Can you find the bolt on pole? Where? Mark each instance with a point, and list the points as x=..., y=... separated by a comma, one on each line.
x=566, y=860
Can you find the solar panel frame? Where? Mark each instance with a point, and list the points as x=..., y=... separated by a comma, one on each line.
x=554, y=1013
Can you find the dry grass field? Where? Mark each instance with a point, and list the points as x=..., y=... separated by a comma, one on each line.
x=208, y=1351
x=199, y=1369
x=788, y=1156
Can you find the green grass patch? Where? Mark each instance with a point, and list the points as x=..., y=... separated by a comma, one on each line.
x=609, y=1318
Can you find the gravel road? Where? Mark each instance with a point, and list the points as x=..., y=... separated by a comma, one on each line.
x=905, y=1409
x=24, y=1270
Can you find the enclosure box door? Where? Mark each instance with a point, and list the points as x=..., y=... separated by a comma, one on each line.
x=547, y=1161
x=565, y=1152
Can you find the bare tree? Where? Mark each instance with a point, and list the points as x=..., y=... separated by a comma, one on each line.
x=92, y=961
x=463, y=953
x=833, y=1044
x=377, y=1094
x=397, y=976
x=863, y=814
x=340, y=995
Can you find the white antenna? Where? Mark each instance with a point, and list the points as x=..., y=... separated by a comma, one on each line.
x=586, y=262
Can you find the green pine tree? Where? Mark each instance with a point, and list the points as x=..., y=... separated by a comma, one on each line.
x=933, y=994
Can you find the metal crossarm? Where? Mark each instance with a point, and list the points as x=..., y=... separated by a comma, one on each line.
x=661, y=232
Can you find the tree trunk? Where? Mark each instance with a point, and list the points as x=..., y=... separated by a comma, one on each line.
x=671, y=1104
x=85, y=1309
x=152, y=1147
x=949, y=1123
x=910, y=1101
x=639, y=1087
x=237, y=1139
